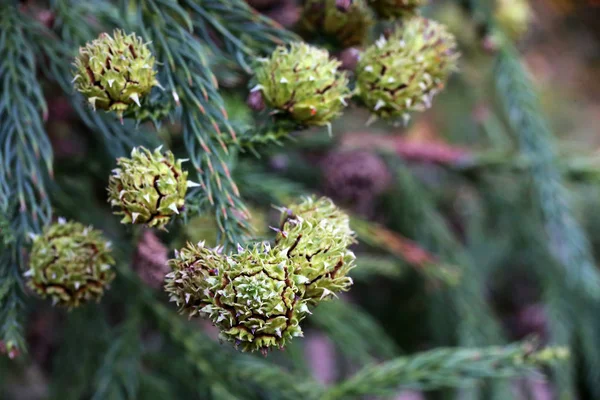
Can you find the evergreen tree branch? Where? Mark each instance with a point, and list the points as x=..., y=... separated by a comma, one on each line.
x=355, y=333
x=567, y=241
x=368, y=265
x=232, y=25
x=119, y=375
x=85, y=336
x=25, y=162
x=445, y=368
x=406, y=250
x=459, y=313
x=205, y=125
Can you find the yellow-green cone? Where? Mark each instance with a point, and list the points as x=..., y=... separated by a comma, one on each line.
x=194, y=270
x=315, y=235
x=70, y=263
x=404, y=72
x=148, y=188
x=115, y=72
x=303, y=84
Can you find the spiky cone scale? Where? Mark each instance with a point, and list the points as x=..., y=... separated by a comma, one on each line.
x=115, y=72
x=315, y=235
x=70, y=263
x=514, y=17
x=395, y=9
x=403, y=73
x=303, y=84
x=257, y=303
x=345, y=26
x=148, y=188
x=194, y=271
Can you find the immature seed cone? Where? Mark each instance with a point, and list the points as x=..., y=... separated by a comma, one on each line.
x=315, y=235
x=151, y=260
x=303, y=84
x=355, y=178
x=256, y=303
x=392, y=9
x=346, y=25
x=514, y=16
x=70, y=263
x=404, y=73
x=115, y=72
x=194, y=270
x=148, y=188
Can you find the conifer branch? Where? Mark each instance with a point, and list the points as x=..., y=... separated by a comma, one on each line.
x=375, y=265
x=445, y=368
x=355, y=333
x=119, y=375
x=405, y=250
x=236, y=28
x=25, y=162
x=476, y=324
x=567, y=241
x=84, y=342
x=187, y=76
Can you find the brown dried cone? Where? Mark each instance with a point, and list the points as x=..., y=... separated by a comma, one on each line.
x=285, y=12
x=355, y=178
x=150, y=261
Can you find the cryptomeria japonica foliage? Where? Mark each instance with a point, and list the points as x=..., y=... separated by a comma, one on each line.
x=181, y=197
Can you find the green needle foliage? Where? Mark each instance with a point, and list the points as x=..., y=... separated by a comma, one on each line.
x=441, y=368
x=396, y=277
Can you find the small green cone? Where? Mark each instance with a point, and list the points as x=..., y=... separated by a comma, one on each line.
x=404, y=72
x=303, y=84
x=148, y=188
x=115, y=72
x=315, y=235
x=70, y=263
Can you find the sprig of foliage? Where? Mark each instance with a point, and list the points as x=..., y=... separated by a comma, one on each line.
x=567, y=240
x=444, y=368
x=186, y=74
x=25, y=162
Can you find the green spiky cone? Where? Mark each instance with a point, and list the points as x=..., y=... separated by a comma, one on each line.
x=148, y=188
x=346, y=27
x=302, y=83
x=394, y=9
x=115, y=72
x=70, y=263
x=257, y=303
x=403, y=73
x=315, y=234
x=194, y=270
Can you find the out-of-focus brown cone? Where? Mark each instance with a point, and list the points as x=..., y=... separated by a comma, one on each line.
x=349, y=58
x=285, y=12
x=150, y=260
x=355, y=178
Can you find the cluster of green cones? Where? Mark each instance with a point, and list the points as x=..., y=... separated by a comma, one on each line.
x=258, y=296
